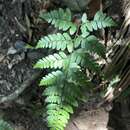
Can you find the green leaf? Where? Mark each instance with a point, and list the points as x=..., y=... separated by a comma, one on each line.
x=84, y=31
x=55, y=41
x=73, y=29
x=84, y=18
x=4, y=125
x=70, y=47
x=94, y=25
x=97, y=16
x=101, y=20
x=93, y=45
x=61, y=19
x=52, y=78
x=52, y=61
x=89, y=26
x=78, y=41
x=68, y=108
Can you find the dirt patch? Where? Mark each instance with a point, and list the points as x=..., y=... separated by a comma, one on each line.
x=89, y=120
x=15, y=66
x=18, y=25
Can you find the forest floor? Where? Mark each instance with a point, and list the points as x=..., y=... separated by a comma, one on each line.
x=18, y=25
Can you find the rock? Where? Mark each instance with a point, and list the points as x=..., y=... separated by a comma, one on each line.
x=90, y=120
x=11, y=51
x=19, y=128
x=20, y=46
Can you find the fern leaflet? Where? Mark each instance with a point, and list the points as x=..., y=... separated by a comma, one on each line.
x=56, y=41
x=60, y=19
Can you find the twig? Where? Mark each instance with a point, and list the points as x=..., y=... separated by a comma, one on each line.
x=22, y=28
x=17, y=92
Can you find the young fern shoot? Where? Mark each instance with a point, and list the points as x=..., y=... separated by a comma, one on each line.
x=72, y=57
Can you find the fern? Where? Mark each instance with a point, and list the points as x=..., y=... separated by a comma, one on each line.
x=52, y=78
x=101, y=20
x=74, y=54
x=60, y=19
x=4, y=125
x=52, y=61
x=56, y=41
x=93, y=45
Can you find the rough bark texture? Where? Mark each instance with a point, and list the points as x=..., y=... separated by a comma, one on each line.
x=120, y=65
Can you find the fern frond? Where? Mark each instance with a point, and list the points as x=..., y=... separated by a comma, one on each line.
x=58, y=116
x=52, y=78
x=76, y=93
x=58, y=113
x=57, y=119
x=83, y=58
x=53, y=99
x=52, y=61
x=52, y=90
x=84, y=30
x=91, y=44
x=61, y=19
x=66, y=83
x=56, y=41
x=100, y=21
x=76, y=78
x=59, y=60
x=4, y=125
x=71, y=100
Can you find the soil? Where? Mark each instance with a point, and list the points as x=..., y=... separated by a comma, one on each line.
x=96, y=120
x=17, y=20
x=13, y=66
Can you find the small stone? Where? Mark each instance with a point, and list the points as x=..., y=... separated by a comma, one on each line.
x=11, y=50
x=20, y=46
x=8, y=40
x=19, y=128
